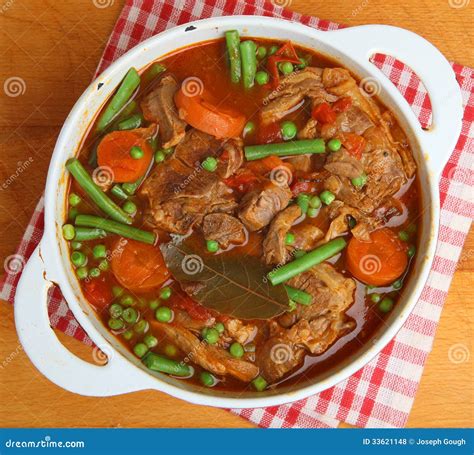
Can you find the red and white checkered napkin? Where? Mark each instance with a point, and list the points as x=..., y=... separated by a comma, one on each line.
x=380, y=394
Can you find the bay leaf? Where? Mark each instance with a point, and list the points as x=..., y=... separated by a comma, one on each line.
x=234, y=285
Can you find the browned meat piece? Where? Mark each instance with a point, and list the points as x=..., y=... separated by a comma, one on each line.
x=275, y=250
x=315, y=327
x=158, y=107
x=292, y=92
x=212, y=358
x=224, y=229
x=180, y=192
x=301, y=163
x=307, y=236
x=258, y=207
x=309, y=131
x=231, y=158
x=354, y=120
x=343, y=164
x=240, y=332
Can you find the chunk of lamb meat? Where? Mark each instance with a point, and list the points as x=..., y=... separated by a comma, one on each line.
x=307, y=235
x=180, y=193
x=257, y=208
x=158, y=107
x=341, y=163
x=314, y=328
x=212, y=358
x=291, y=92
x=224, y=229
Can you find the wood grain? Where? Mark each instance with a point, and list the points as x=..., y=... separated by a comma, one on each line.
x=54, y=47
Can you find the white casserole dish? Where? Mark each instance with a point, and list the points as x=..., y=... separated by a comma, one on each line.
x=50, y=263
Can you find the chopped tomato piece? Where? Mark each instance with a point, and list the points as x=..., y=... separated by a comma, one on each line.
x=98, y=292
x=242, y=181
x=269, y=133
x=324, y=113
x=193, y=308
x=342, y=104
x=288, y=52
x=302, y=186
x=354, y=144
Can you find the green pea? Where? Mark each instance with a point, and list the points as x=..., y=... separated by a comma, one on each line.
x=327, y=197
x=136, y=152
x=219, y=327
x=312, y=212
x=375, y=298
x=94, y=272
x=115, y=324
x=154, y=304
x=259, y=384
x=289, y=238
x=141, y=326
x=403, y=235
x=130, y=315
x=303, y=63
x=386, y=305
x=303, y=202
x=73, y=212
x=82, y=273
x=171, y=350
x=286, y=67
x=150, y=341
x=397, y=284
x=212, y=246
x=140, y=349
x=163, y=314
x=75, y=245
x=315, y=202
x=128, y=335
x=261, y=52
x=129, y=207
x=165, y=293
x=262, y=77
x=207, y=379
x=334, y=145
x=411, y=251
x=160, y=156
x=74, y=199
x=210, y=335
x=115, y=310
x=272, y=50
x=78, y=258
x=127, y=300
x=117, y=291
x=236, y=350
x=209, y=164
x=99, y=251
x=288, y=130
x=68, y=232
x=360, y=181
x=249, y=128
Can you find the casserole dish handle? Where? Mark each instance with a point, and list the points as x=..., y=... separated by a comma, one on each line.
x=439, y=140
x=50, y=357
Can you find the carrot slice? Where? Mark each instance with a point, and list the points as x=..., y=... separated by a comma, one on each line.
x=378, y=262
x=138, y=266
x=323, y=113
x=114, y=152
x=204, y=114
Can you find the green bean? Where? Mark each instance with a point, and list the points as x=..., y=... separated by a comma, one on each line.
x=83, y=233
x=106, y=204
x=129, y=232
x=301, y=147
x=127, y=111
x=118, y=192
x=249, y=62
x=126, y=89
x=233, y=42
x=153, y=71
x=299, y=296
x=135, y=121
x=305, y=262
x=157, y=362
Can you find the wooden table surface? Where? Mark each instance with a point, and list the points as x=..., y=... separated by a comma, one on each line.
x=54, y=47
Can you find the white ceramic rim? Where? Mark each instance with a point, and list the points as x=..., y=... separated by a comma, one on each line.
x=352, y=47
